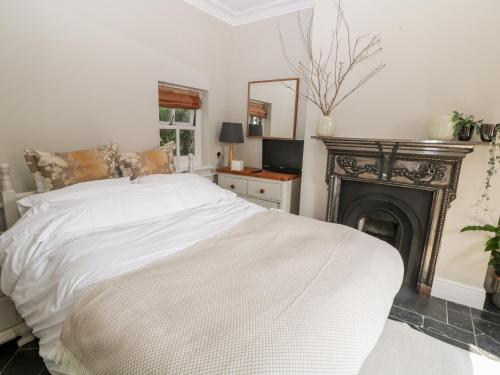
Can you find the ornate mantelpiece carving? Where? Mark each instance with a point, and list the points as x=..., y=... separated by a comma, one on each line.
x=418, y=172
x=429, y=165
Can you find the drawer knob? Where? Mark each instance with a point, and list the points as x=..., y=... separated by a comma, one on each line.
x=232, y=186
x=262, y=191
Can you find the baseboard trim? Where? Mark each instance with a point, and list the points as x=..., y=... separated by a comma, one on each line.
x=459, y=293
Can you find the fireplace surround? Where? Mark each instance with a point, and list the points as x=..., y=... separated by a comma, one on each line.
x=398, y=191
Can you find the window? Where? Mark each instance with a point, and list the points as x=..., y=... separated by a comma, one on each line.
x=179, y=115
x=254, y=120
x=179, y=125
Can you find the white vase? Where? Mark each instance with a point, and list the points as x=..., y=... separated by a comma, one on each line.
x=441, y=127
x=325, y=126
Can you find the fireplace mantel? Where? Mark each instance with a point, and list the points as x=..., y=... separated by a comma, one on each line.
x=421, y=163
x=428, y=165
x=451, y=148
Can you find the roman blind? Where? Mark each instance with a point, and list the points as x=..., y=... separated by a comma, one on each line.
x=173, y=97
x=257, y=109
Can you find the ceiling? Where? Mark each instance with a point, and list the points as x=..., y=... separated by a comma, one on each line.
x=239, y=12
x=243, y=5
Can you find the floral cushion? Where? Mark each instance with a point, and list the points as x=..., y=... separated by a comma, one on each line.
x=54, y=170
x=159, y=160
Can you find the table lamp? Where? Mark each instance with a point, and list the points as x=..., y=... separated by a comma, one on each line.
x=231, y=132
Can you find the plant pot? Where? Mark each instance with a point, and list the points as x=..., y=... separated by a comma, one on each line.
x=465, y=133
x=441, y=128
x=495, y=291
x=325, y=126
x=488, y=132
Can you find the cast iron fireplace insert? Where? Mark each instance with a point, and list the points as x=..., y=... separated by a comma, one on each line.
x=397, y=215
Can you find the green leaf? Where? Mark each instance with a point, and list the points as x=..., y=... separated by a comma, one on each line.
x=480, y=228
x=491, y=244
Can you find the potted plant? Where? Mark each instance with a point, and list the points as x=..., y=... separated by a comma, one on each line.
x=465, y=126
x=482, y=204
x=489, y=132
x=325, y=71
x=493, y=246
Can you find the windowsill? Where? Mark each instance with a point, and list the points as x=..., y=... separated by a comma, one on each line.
x=202, y=170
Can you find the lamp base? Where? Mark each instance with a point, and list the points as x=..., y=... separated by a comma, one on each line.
x=230, y=154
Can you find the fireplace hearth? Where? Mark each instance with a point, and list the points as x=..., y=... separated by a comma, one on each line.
x=398, y=191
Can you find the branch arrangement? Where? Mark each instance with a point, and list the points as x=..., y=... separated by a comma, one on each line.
x=325, y=72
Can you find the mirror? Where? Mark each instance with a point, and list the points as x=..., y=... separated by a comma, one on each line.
x=272, y=108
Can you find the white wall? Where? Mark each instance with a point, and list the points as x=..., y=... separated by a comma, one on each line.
x=76, y=74
x=79, y=73
x=441, y=55
x=257, y=54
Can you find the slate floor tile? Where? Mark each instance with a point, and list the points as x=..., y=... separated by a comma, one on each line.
x=44, y=372
x=489, y=306
x=445, y=339
x=452, y=306
x=463, y=321
x=434, y=308
x=406, y=316
x=7, y=350
x=26, y=362
x=490, y=329
x=30, y=346
x=485, y=315
x=489, y=345
x=449, y=331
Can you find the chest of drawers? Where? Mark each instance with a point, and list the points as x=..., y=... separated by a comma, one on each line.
x=267, y=189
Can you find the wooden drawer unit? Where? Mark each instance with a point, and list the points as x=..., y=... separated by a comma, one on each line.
x=267, y=189
x=264, y=190
x=238, y=185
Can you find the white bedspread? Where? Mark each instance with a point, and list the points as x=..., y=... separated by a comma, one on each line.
x=60, y=249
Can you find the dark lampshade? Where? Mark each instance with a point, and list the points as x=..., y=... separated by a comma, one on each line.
x=231, y=132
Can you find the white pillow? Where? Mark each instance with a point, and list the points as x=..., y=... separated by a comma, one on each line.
x=189, y=188
x=154, y=178
x=81, y=190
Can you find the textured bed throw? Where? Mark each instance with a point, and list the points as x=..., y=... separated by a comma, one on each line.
x=275, y=294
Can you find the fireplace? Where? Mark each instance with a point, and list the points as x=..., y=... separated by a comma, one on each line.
x=398, y=191
x=397, y=215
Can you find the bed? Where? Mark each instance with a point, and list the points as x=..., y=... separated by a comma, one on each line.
x=172, y=274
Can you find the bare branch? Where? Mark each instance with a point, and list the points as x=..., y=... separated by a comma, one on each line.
x=325, y=73
x=360, y=83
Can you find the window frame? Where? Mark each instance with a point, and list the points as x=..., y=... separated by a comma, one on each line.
x=182, y=162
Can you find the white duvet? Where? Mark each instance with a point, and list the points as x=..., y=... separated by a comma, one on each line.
x=65, y=245
x=62, y=247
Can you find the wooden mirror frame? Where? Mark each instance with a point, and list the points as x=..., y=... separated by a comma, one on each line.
x=297, y=80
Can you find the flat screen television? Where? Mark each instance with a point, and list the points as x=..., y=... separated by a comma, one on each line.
x=282, y=155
